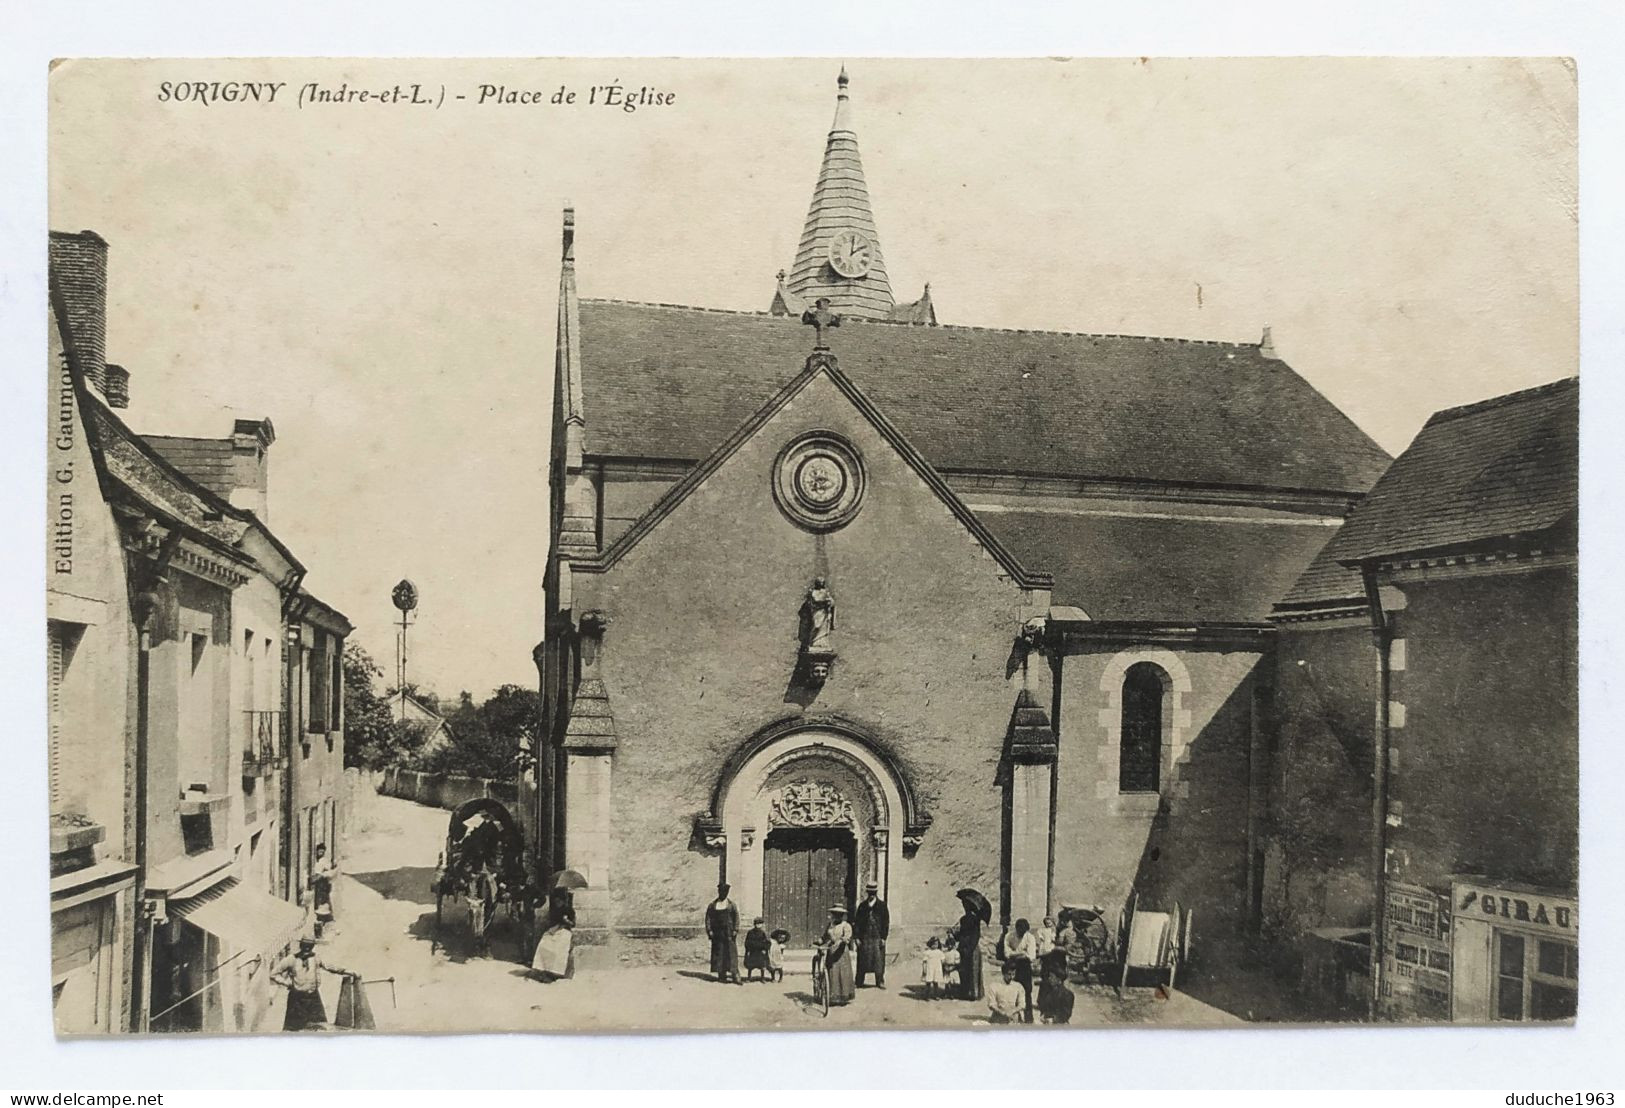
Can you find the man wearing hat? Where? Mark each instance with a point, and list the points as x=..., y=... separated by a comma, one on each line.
x=871, y=923
x=301, y=976
x=722, y=928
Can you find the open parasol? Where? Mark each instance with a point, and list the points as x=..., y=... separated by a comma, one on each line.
x=978, y=903
x=569, y=879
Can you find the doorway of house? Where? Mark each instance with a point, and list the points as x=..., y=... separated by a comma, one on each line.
x=805, y=871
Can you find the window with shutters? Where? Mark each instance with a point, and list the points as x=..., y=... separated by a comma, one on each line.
x=59, y=668
x=63, y=642
x=319, y=670
x=335, y=657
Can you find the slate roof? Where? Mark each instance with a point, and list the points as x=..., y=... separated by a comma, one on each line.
x=133, y=462
x=671, y=382
x=206, y=461
x=1502, y=469
x=1137, y=568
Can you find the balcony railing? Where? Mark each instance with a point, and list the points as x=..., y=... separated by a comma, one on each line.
x=264, y=740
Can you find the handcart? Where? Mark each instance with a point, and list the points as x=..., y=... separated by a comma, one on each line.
x=1154, y=941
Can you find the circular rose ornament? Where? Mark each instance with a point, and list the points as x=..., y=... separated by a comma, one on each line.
x=818, y=481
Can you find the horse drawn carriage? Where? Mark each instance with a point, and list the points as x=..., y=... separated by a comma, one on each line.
x=483, y=867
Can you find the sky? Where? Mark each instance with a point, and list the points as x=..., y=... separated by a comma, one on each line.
x=381, y=279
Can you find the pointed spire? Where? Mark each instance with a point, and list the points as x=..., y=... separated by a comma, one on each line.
x=843, y=105
x=839, y=256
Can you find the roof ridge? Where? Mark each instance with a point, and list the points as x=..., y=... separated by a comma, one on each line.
x=930, y=326
x=1504, y=400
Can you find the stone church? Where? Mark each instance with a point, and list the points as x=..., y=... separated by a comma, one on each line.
x=838, y=593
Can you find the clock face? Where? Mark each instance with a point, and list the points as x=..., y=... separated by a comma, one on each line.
x=851, y=253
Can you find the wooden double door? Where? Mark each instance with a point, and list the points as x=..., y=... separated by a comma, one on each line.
x=805, y=871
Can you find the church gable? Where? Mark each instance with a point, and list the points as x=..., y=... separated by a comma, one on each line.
x=811, y=575
x=860, y=444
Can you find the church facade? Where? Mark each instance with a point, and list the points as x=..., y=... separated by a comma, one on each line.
x=837, y=593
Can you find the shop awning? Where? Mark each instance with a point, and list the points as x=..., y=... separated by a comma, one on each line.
x=246, y=918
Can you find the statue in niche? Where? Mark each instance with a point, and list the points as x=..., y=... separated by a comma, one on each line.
x=819, y=618
x=817, y=632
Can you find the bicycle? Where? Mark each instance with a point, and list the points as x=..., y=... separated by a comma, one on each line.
x=820, y=982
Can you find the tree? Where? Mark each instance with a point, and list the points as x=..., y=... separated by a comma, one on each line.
x=373, y=737
x=490, y=739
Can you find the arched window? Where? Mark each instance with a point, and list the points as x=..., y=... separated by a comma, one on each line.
x=1140, y=757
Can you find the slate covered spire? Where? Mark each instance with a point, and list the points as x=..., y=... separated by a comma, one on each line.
x=839, y=256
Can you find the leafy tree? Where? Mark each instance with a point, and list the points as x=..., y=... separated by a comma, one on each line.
x=373, y=737
x=490, y=739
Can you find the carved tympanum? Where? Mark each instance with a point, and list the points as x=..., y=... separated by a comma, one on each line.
x=809, y=804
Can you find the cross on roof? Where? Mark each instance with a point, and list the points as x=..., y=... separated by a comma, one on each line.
x=819, y=317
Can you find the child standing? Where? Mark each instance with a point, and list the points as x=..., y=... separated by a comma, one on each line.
x=931, y=967
x=757, y=950
x=950, y=964
x=775, y=953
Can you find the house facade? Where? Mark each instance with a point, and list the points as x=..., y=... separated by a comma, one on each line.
x=1428, y=677
x=172, y=777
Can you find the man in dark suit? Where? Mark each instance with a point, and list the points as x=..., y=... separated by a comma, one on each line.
x=871, y=923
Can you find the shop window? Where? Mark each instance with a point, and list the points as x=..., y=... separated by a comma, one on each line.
x=1535, y=979
x=1140, y=756
x=1509, y=977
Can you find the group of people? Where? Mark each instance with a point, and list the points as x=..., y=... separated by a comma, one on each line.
x=851, y=950
x=952, y=966
x=1024, y=952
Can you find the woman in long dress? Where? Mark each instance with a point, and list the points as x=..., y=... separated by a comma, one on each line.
x=969, y=940
x=837, y=947
x=552, y=959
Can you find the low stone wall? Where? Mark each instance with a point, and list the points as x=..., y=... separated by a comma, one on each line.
x=442, y=790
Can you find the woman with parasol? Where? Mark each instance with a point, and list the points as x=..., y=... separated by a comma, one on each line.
x=552, y=958
x=968, y=938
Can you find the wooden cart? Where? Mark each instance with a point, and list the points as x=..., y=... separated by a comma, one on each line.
x=1155, y=941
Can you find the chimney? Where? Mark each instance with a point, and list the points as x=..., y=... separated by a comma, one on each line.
x=118, y=386
x=1266, y=345
x=250, y=468
x=79, y=265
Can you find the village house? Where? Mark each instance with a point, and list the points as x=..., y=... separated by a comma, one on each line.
x=884, y=599
x=172, y=780
x=1426, y=849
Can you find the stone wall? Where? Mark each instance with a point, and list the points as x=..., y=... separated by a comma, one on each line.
x=1189, y=841
x=1484, y=731
x=441, y=790
x=1324, y=716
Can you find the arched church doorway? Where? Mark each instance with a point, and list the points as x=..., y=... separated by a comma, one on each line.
x=805, y=814
x=805, y=870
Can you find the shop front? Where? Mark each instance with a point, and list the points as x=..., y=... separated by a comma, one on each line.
x=214, y=942
x=1516, y=952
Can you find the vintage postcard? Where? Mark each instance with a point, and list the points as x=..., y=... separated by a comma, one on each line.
x=627, y=544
